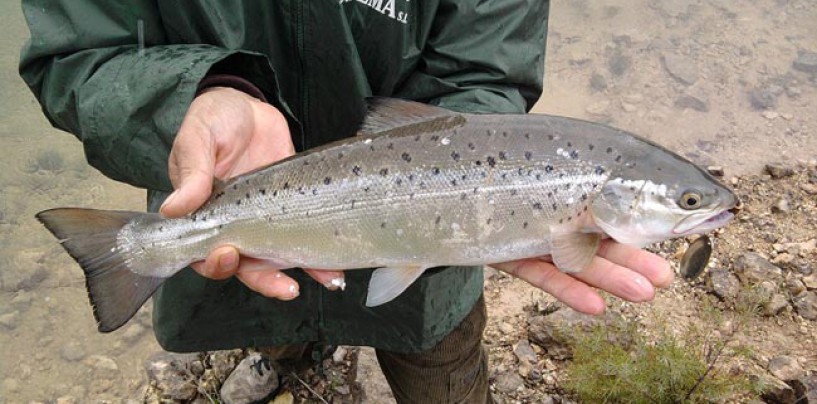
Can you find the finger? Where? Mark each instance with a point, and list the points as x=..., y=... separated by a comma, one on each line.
x=191, y=169
x=332, y=280
x=271, y=283
x=656, y=269
x=193, y=191
x=617, y=280
x=563, y=287
x=221, y=263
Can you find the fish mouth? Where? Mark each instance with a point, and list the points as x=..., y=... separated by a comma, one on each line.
x=714, y=221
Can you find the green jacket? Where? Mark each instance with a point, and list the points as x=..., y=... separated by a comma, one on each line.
x=316, y=60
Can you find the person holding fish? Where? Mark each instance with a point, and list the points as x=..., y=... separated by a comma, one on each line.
x=222, y=90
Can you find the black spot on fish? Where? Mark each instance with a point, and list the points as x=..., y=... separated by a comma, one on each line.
x=527, y=136
x=514, y=192
x=390, y=146
x=600, y=170
x=314, y=191
x=262, y=191
x=554, y=206
x=435, y=138
x=356, y=170
x=417, y=138
x=548, y=168
x=538, y=177
x=398, y=181
x=463, y=196
x=528, y=155
x=383, y=225
x=476, y=189
x=490, y=132
x=550, y=137
x=371, y=147
x=569, y=218
x=520, y=171
x=584, y=197
x=569, y=144
x=471, y=146
x=327, y=181
x=478, y=162
x=411, y=177
x=275, y=192
x=561, y=221
x=550, y=194
x=503, y=156
x=221, y=226
x=513, y=212
x=483, y=174
x=591, y=146
x=406, y=157
x=504, y=176
x=238, y=202
x=574, y=154
x=454, y=182
x=437, y=220
x=525, y=225
x=609, y=150
x=411, y=196
x=504, y=134
x=585, y=209
x=435, y=170
x=618, y=158
x=491, y=161
x=537, y=206
x=306, y=163
x=455, y=156
x=353, y=203
x=337, y=232
x=488, y=221
x=286, y=185
x=384, y=171
x=340, y=155
x=422, y=184
x=235, y=186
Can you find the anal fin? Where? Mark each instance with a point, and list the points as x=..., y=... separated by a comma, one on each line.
x=389, y=282
x=574, y=251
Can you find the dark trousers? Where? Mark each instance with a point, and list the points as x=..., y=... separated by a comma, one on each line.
x=454, y=371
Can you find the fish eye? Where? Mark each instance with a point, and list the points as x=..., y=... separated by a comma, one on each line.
x=691, y=200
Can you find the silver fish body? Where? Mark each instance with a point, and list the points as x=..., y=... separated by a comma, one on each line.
x=423, y=187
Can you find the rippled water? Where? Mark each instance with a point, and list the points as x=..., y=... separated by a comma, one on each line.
x=604, y=63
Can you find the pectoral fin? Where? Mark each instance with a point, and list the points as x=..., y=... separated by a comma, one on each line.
x=388, y=283
x=574, y=251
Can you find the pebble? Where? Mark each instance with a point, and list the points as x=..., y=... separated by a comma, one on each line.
x=506, y=328
x=795, y=286
x=284, y=398
x=598, y=82
x=66, y=400
x=762, y=98
x=810, y=189
x=770, y=115
x=782, y=206
x=775, y=305
x=73, y=351
x=339, y=356
x=10, y=320
x=618, y=63
x=103, y=363
x=806, y=305
x=751, y=268
x=524, y=352
x=806, y=62
x=680, y=68
x=778, y=170
x=508, y=382
x=171, y=375
x=785, y=367
x=776, y=391
x=810, y=281
x=694, y=97
x=716, y=170
x=252, y=380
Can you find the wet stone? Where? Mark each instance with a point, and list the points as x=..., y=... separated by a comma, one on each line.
x=776, y=391
x=785, y=368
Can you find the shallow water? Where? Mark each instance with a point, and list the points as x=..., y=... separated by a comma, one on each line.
x=604, y=63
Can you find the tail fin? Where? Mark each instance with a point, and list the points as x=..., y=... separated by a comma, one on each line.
x=90, y=237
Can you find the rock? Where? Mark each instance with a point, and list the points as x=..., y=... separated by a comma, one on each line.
x=680, y=68
x=618, y=63
x=339, y=356
x=11, y=320
x=508, y=382
x=776, y=391
x=172, y=375
x=806, y=62
x=73, y=351
x=782, y=205
x=778, y=171
x=762, y=98
x=716, y=171
x=810, y=189
x=692, y=102
x=805, y=388
x=506, y=328
x=783, y=259
x=553, y=331
x=343, y=389
x=599, y=108
x=252, y=380
x=724, y=284
x=598, y=82
x=810, y=282
x=806, y=305
x=775, y=305
x=524, y=352
x=284, y=398
x=103, y=363
x=751, y=268
x=223, y=362
x=795, y=286
x=770, y=115
x=785, y=367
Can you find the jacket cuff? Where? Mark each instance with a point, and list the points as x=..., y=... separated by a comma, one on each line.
x=231, y=81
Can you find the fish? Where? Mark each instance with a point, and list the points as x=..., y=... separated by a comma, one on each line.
x=418, y=187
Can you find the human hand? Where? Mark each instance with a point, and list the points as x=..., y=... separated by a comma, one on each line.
x=225, y=133
x=627, y=272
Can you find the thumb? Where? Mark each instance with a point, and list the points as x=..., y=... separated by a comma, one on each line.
x=194, y=189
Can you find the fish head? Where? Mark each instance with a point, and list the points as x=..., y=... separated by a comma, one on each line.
x=647, y=205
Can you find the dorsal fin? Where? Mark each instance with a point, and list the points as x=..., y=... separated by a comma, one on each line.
x=385, y=114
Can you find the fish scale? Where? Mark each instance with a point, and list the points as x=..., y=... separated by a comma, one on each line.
x=419, y=187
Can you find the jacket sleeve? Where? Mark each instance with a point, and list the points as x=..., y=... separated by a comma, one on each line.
x=83, y=64
x=482, y=56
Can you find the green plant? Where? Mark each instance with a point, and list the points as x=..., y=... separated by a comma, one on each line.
x=618, y=364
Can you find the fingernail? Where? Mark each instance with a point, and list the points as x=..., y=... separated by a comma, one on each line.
x=227, y=261
x=335, y=284
x=293, y=291
x=645, y=289
x=168, y=201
